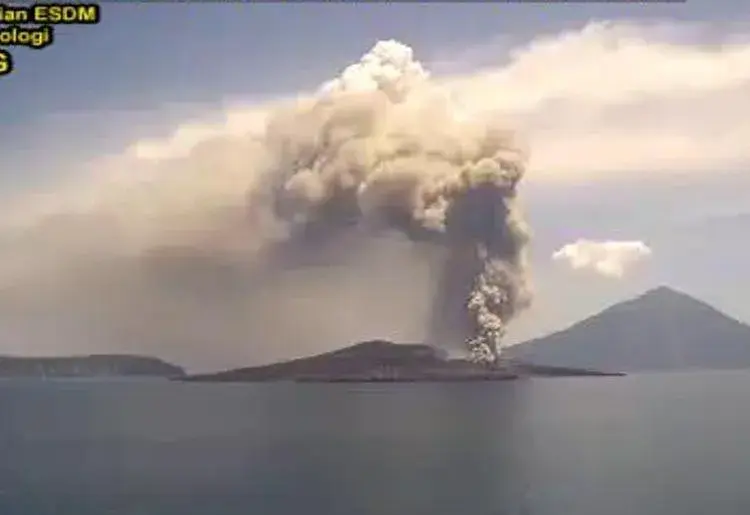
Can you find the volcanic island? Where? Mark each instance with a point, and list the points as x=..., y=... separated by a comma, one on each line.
x=385, y=361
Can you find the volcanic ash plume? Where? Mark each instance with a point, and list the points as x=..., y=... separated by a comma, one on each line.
x=382, y=147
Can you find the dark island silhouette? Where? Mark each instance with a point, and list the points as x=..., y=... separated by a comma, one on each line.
x=103, y=365
x=384, y=361
x=660, y=330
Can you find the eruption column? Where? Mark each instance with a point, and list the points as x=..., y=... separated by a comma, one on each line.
x=383, y=146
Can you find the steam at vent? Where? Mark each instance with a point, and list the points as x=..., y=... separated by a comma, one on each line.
x=381, y=148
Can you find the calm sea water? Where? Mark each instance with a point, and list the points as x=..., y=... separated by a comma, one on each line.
x=646, y=444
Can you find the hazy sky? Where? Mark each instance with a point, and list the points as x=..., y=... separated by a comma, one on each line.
x=144, y=67
x=637, y=117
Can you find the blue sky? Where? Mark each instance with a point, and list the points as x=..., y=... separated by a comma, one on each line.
x=623, y=153
x=145, y=67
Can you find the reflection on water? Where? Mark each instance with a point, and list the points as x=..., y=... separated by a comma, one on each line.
x=671, y=444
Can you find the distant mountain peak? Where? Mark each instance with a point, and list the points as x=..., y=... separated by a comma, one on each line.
x=664, y=292
x=665, y=297
x=661, y=329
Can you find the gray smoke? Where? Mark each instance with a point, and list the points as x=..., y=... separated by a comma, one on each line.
x=383, y=148
x=330, y=222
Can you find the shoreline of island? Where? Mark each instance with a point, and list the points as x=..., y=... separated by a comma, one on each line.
x=381, y=361
x=376, y=361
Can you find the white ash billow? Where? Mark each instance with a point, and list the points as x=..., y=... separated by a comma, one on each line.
x=383, y=147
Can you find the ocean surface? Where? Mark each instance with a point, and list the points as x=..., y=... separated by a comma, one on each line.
x=644, y=444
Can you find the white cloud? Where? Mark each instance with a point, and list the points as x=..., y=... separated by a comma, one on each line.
x=605, y=100
x=607, y=258
x=237, y=123
x=621, y=98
